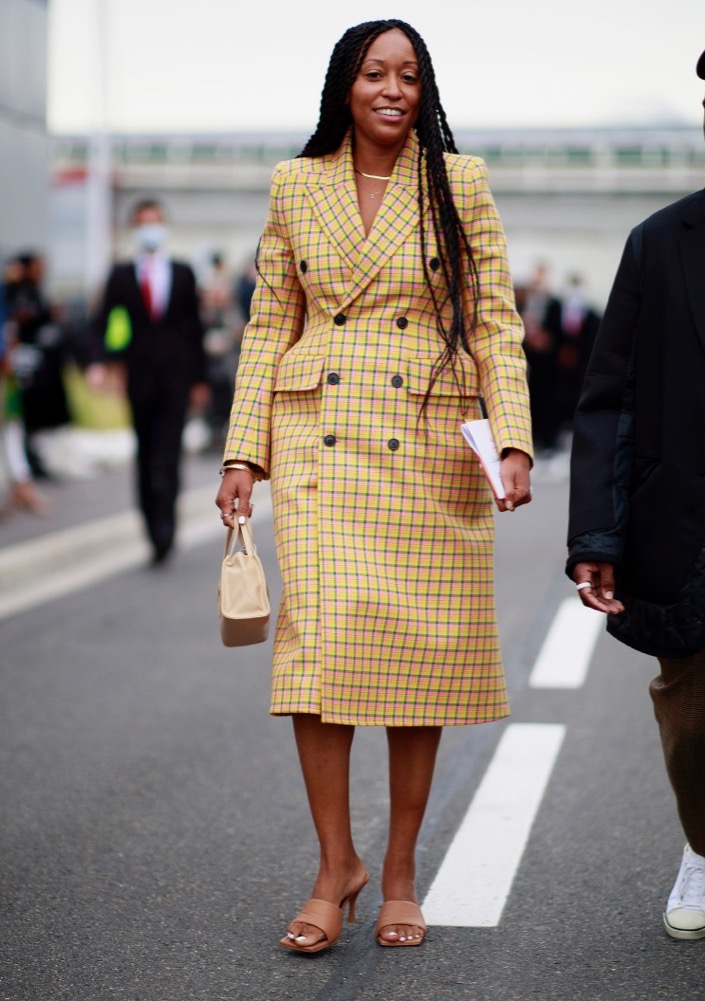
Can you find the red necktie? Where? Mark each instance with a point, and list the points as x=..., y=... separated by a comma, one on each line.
x=146, y=287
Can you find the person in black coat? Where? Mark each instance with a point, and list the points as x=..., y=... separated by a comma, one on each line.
x=40, y=355
x=541, y=314
x=637, y=500
x=579, y=326
x=149, y=321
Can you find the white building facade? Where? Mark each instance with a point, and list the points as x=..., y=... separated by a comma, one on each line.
x=568, y=198
x=24, y=145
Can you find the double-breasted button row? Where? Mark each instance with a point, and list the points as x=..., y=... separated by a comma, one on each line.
x=333, y=379
x=303, y=267
x=340, y=320
x=329, y=441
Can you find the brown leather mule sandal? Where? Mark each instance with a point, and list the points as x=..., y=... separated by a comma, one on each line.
x=400, y=912
x=325, y=916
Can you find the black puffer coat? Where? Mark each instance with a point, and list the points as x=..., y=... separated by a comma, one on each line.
x=638, y=461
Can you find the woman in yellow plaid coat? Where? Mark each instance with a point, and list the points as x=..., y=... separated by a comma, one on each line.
x=383, y=312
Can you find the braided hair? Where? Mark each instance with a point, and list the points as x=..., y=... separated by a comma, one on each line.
x=453, y=247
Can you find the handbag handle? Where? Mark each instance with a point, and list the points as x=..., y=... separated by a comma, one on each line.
x=244, y=535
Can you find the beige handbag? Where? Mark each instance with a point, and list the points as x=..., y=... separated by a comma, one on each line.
x=243, y=598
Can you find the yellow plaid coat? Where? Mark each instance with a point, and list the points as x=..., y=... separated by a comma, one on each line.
x=383, y=522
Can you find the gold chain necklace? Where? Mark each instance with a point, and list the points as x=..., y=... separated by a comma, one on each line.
x=374, y=177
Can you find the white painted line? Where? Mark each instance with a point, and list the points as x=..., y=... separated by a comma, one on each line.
x=74, y=561
x=474, y=881
x=58, y=583
x=564, y=658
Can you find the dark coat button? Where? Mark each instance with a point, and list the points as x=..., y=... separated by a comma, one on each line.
x=393, y=444
x=304, y=267
x=397, y=381
x=434, y=264
x=333, y=379
x=329, y=440
x=402, y=323
x=339, y=319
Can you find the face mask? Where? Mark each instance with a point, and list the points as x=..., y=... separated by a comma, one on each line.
x=150, y=236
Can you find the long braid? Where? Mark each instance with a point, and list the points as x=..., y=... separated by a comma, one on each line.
x=436, y=138
x=345, y=61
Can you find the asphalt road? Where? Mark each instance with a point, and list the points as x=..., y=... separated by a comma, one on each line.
x=155, y=840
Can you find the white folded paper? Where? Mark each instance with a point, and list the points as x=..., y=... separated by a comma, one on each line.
x=479, y=437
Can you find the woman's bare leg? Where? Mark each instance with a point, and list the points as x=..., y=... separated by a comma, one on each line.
x=324, y=753
x=412, y=759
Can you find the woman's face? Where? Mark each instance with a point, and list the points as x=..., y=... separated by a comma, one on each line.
x=385, y=97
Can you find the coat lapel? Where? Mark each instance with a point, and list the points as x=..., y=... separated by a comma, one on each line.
x=692, y=253
x=331, y=194
x=333, y=197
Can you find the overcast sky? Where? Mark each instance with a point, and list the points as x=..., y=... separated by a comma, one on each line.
x=211, y=65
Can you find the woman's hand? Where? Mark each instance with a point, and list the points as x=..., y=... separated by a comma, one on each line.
x=515, y=471
x=234, y=495
x=595, y=583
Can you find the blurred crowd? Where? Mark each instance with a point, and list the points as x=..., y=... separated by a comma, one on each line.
x=560, y=330
x=33, y=353
x=42, y=341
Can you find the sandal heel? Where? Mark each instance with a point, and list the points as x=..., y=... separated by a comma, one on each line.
x=351, y=902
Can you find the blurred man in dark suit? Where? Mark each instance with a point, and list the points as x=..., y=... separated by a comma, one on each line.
x=149, y=323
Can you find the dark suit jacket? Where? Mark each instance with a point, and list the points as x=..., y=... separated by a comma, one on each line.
x=165, y=355
x=638, y=462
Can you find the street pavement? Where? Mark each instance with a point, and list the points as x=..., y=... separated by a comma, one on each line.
x=154, y=835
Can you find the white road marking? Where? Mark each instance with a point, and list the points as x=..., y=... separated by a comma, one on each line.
x=475, y=878
x=564, y=658
x=54, y=565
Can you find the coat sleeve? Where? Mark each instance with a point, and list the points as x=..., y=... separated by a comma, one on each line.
x=499, y=332
x=276, y=323
x=192, y=317
x=601, y=458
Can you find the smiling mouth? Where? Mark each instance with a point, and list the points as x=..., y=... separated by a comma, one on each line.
x=389, y=112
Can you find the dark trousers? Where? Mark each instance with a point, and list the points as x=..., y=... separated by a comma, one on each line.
x=678, y=695
x=545, y=414
x=159, y=423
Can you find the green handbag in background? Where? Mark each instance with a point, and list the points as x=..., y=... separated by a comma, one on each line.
x=118, y=329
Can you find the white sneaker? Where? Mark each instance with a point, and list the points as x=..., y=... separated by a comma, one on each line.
x=685, y=910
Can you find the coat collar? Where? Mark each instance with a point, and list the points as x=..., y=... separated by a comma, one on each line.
x=333, y=197
x=694, y=209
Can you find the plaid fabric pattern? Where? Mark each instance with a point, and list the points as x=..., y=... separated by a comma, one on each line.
x=383, y=522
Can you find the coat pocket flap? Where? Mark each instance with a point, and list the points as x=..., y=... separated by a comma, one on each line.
x=465, y=382
x=297, y=373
